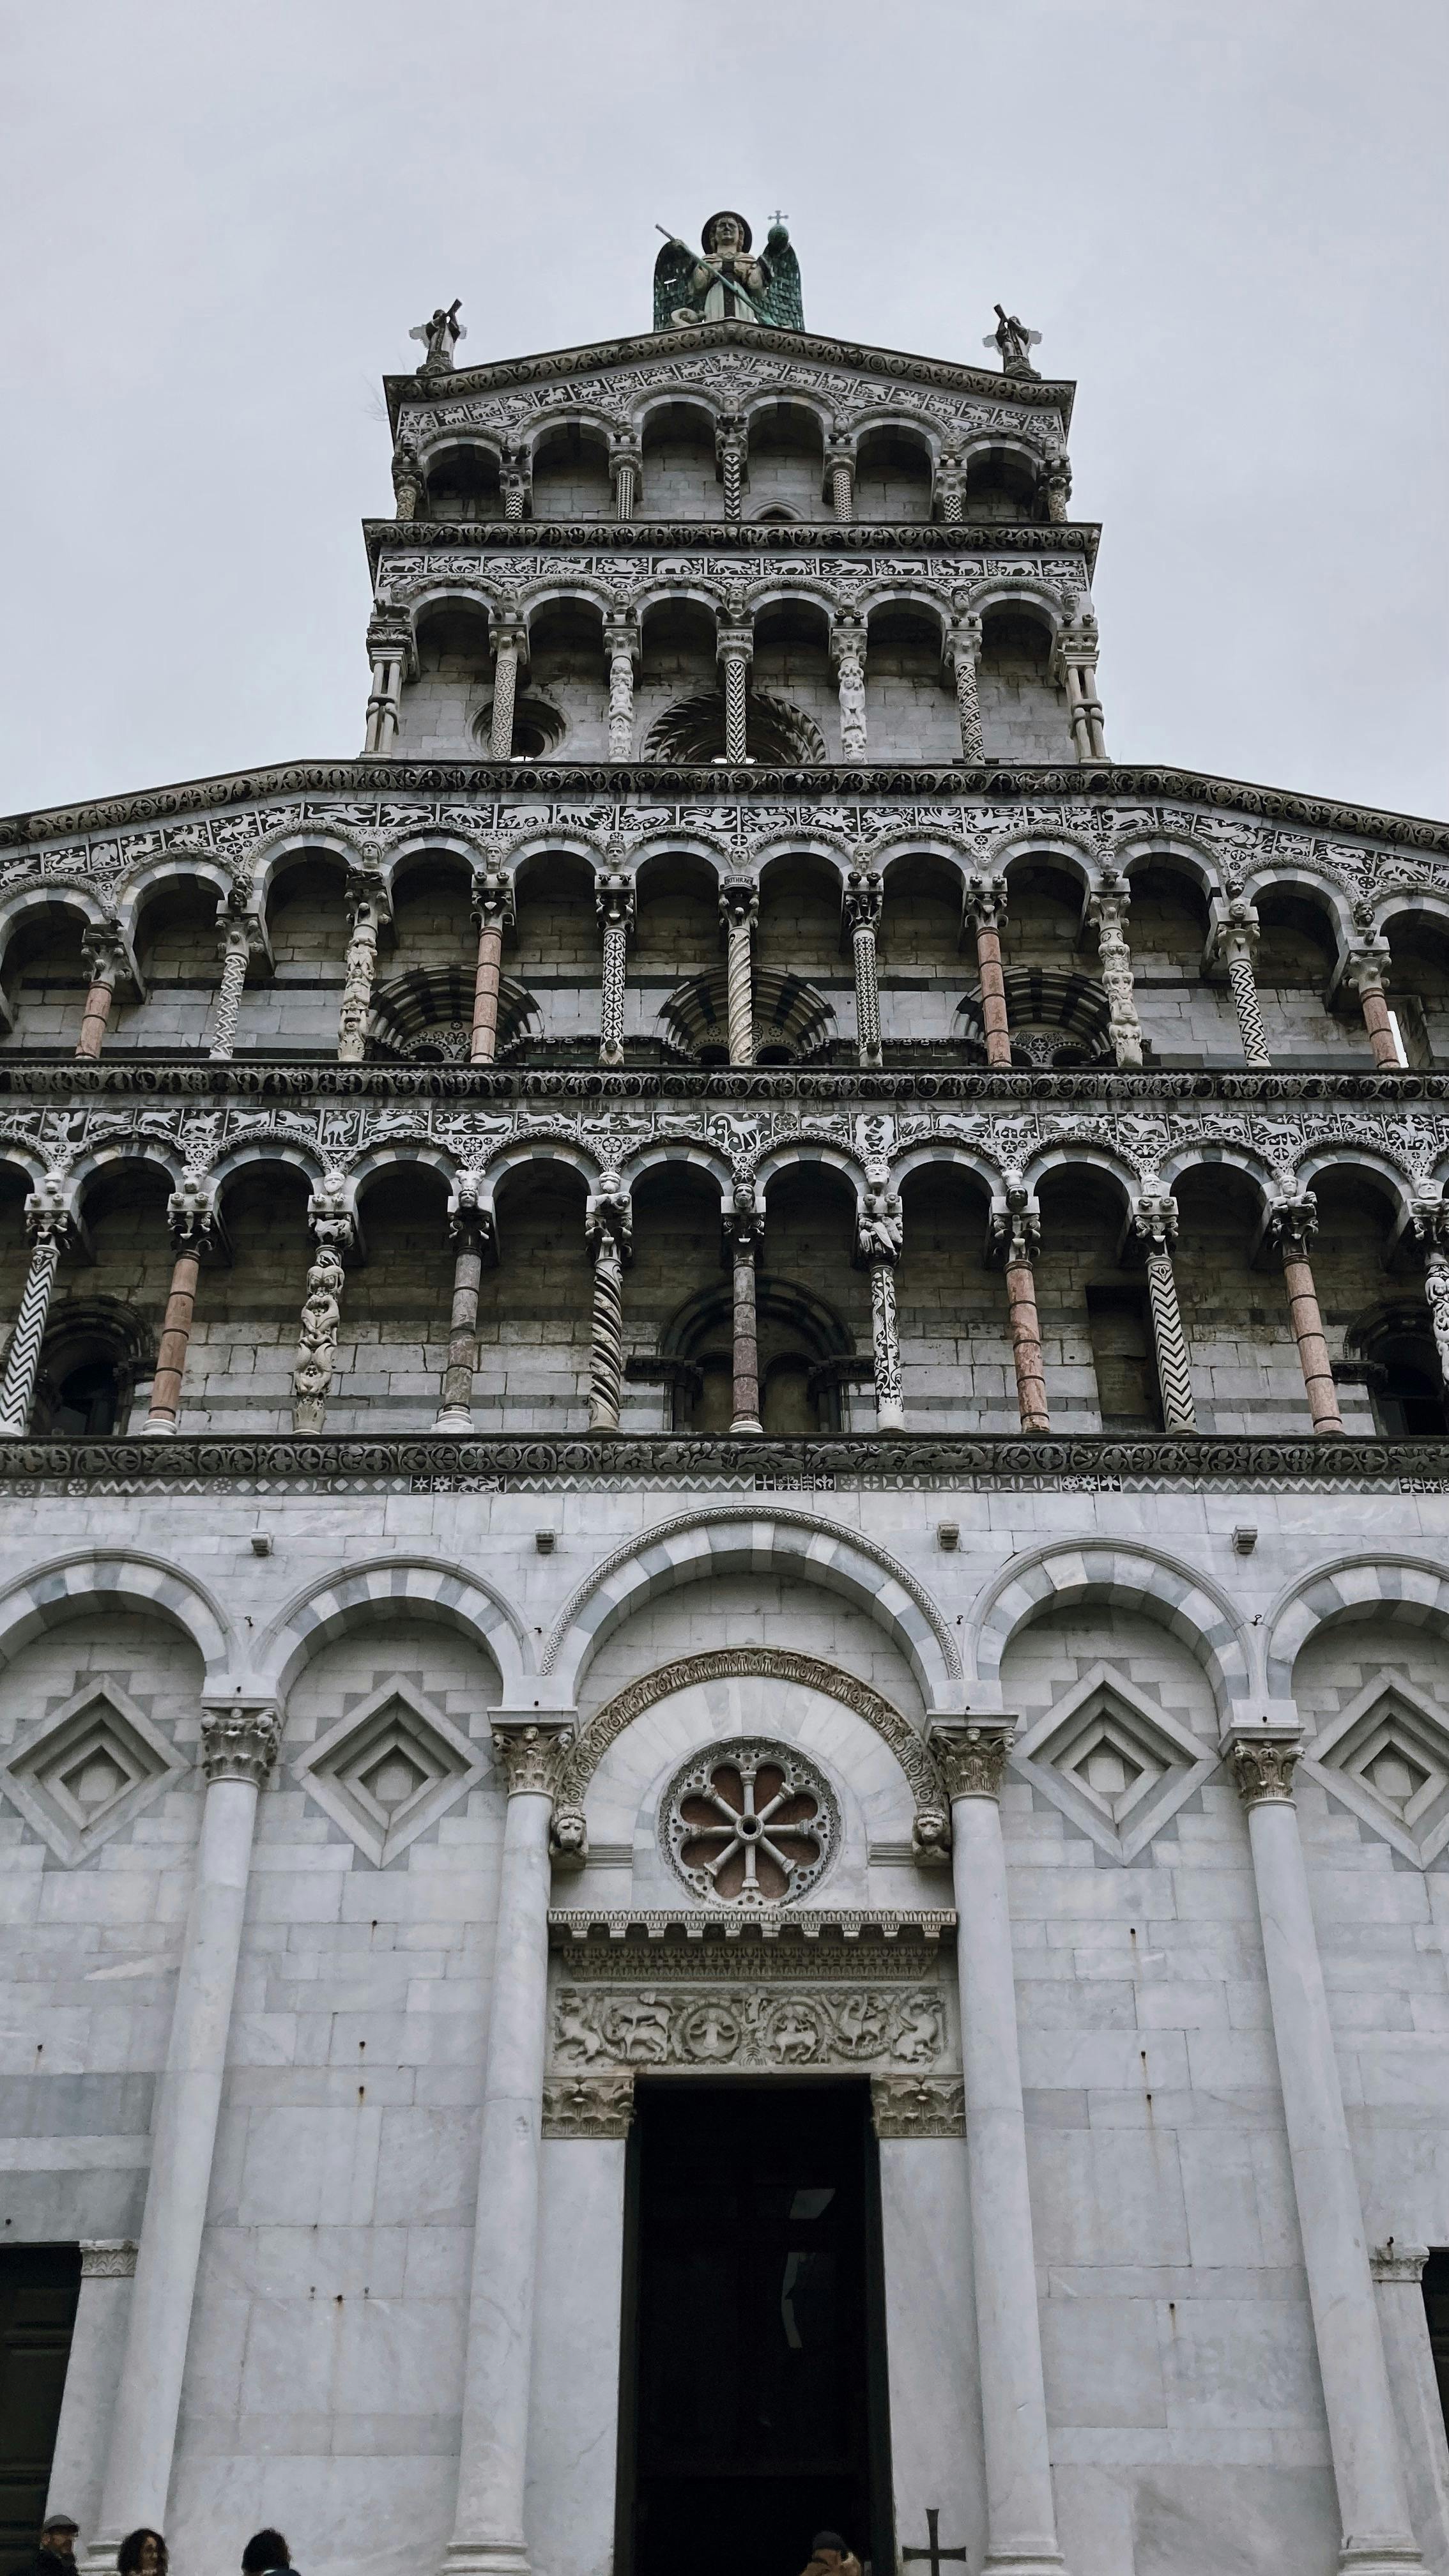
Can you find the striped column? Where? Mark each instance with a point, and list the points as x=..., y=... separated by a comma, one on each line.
x=49, y=1229
x=1292, y=1224
x=1154, y=1223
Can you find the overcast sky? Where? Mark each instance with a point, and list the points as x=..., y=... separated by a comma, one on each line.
x=1227, y=221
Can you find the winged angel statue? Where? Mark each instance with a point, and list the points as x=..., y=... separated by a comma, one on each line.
x=724, y=282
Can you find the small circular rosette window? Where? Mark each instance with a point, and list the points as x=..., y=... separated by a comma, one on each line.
x=749, y=1824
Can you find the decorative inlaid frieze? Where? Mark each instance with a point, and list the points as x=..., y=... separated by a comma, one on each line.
x=747, y=2027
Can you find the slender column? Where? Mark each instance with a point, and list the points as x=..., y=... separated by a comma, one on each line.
x=1057, y=485
x=951, y=490
x=1292, y=1224
x=1431, y=1226
x=878, y=1246
x=739, y=906
x=608, y=1232
x=470, y=1231
x=840, y=482
x=1362, y=2436
x=517, y=480
x=1016, y=1235
x=492, y=911
x=614, y=903
x=510, y=647
x=367, y=910
x=488, y=2538
x=1021, y=2532
x=407, y=480
x=104, y=959
x=48, y=1227
x=864, y=896
x=321, y=1314
x=985, y=910
x=93, y=2373
x=744, y=1229
x=626, y=465
x=1154, y=1223
x=387, y=649
x=1077, y=662
x=1107, y=911
x=963, y=653
x=1366, y=967
x=847, y=651
x=1398, y=2276
x=1235, y=934
x=238, y=1747
x=731, y=447
x=736, y=652
x=241, y=938
x=190, y=1220
x=621, y=644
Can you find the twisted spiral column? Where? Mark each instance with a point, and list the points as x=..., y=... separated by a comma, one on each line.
x=1292, y=1224
x=607, y=1224
x=1154, y=1222
x=964, y=653
x=49, y=1230
x=241, y=938
x=740, y=910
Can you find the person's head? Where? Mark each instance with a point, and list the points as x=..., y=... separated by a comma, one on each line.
x=829, y=2546
x=265, y=2549
x=142, y=2553
x=59, y=2535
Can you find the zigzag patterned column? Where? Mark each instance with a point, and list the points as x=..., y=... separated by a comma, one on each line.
x=963, y=652
x=241, y=934
x=1237, y=930
x=48, y=1227
x=736, y=652
x=1154, y=1222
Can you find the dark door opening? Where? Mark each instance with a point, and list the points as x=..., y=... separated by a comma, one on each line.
x=39, y=2287
x=754, y=2406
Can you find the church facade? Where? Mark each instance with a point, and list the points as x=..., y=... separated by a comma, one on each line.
x=724, y=1623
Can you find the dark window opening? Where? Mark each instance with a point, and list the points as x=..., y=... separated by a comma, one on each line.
x=87, y=1402
x=1408, y=1397
x=1436, y=2309
x=39, y=2287
x=1122, y=1355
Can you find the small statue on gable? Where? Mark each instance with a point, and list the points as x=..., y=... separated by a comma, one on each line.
x=1015, y=343
x=724, y=282
x=440, y=336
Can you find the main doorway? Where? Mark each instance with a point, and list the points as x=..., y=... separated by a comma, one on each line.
x=754, y=2409
x=39, y=2288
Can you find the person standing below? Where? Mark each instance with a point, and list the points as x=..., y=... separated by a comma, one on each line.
x=266, y=2554
x=56, y=2554
x=830, y=2557
x=143, y=2553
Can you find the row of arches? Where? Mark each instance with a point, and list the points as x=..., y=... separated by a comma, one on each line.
x=782, y=459
x=619, y=1300
x=173, y=923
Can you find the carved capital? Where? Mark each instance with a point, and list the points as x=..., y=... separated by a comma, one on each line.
x=735, y=644
x=879, y=1226
x=367, y=897
x=739, y=903
x=609, y=1223
x=864, y=898
x=493, y=907
x=48, y=1222
x=847, y=642
x=1399, y=2265
x=1367, y=964
x=983, y=906
x=588, y=2106
x=1015, y=1228
x=614, y=898
x=510, y=636
x=963, y=644
x=1292, y=1225
x=971, y=1753
x=191, y=1219
x=389, y=636
x=107, y=2258
x=103, y=953
x=1262, y=1761
x=239, y=1741
x=531, y=1752
x=621, y=635
x=744, y=1224
x=1154, y=1221
x=918, y=2106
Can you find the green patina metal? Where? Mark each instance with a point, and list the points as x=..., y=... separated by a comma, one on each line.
x=724, y=281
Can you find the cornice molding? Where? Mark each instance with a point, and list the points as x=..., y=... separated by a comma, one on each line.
x=547, y=365
x=610, y=784
x=503, y=1461
x=1100, y=1087
x=744, y=536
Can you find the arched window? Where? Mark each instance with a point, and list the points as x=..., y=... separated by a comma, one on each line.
x=1404, y=1381
x=92, y=1360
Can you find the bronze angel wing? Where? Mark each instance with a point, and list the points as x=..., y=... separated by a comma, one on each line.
x=671, y=283
x=782, y=297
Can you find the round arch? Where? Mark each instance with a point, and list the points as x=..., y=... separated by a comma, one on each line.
x=431, y=1587
x=699, y=1544
x=1413, y=1588
x=117, y=1580
x=1145, y=1579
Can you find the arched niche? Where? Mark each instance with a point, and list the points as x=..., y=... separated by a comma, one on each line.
x=951, y=1314
x=1023, y=707
x=792, y=671
x=681, y=478
x=564, y=712
x=910, y=699
x=893, y=474
x=445, y=700
x=1002, y=485
x=462, y=483
x=787, y=462
x=571, y=477
x=535, y=1306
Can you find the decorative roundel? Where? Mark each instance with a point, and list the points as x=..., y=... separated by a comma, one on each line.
x=749, y=1824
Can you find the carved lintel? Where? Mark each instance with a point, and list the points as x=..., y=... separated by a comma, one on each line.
x=918, y=2106
x=107, y=2258
x=971, y=1753
x=594, y=2106
x=239, y=1741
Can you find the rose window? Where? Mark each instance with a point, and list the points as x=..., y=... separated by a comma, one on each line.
x=749, y=1824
